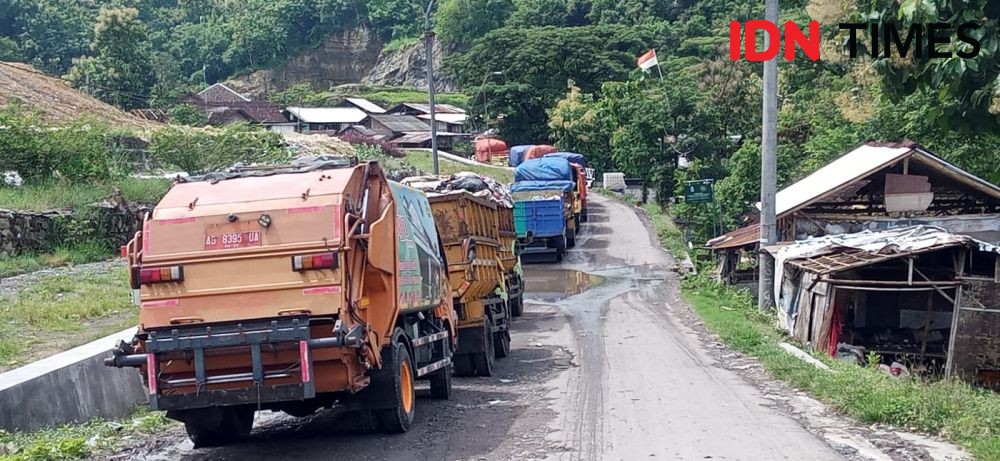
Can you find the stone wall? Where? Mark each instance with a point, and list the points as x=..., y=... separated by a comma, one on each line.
x=26, y=231
x=22, y=231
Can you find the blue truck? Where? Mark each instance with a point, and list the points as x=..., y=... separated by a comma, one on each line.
x=544, y=193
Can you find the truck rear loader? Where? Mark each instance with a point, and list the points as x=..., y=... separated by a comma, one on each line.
x=485, y=282
x=290, y=289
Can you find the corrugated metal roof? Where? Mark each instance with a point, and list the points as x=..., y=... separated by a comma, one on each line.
x=402, y=123
x=836, y=253
x=413, y=138
x=852, y=166
x=426, y=108
x=454, y=119
x=749, y=235
x=863, y=161
x=328, y=114
x=366, y=105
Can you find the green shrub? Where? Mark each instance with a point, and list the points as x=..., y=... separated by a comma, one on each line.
x=201, y=150
x=80, y=151
x=188, y=114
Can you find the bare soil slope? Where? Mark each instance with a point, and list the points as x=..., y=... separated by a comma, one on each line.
x=56, y=100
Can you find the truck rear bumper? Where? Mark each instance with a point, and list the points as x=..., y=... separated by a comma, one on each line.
x=173, y=393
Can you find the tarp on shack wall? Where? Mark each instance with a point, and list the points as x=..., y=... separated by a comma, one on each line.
x=544, y=169
x=523, y=186
x=517, y=154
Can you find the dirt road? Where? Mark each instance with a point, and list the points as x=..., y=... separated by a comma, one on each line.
x=607, y=363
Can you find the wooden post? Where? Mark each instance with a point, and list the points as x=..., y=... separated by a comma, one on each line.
x=927, y=322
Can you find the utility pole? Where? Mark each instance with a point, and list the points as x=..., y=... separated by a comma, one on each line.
x=429, y=50
x=768, y=169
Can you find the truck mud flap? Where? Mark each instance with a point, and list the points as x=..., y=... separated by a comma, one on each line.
x=470, y=340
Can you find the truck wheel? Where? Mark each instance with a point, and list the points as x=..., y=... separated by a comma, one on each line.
x=501, y=344
x=463, y=365
x=215, y=426
x=398, y=418
x=441, y=384
x=483, y=361
x=517, y=306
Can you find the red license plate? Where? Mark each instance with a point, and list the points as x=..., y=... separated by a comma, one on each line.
x=231, y=240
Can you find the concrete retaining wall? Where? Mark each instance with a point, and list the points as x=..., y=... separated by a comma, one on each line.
x=73, y=386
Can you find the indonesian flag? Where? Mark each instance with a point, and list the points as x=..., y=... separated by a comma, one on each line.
x=648, y=60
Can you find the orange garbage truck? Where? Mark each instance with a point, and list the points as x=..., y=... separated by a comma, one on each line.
x=486, y=287
x=315, y=285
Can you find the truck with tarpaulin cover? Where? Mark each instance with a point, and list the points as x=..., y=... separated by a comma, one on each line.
x=579, y=163
x=544, y=193
x=486, y=286
x=293, y=288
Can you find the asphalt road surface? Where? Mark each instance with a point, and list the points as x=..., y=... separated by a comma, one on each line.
x=606, y=364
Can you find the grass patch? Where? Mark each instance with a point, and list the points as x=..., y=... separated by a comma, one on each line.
x=73, y=254
x=966, y=415
x=390, y=96
x=62, y=195
x=421, y=160
x=400, y=43
x=670, y=236
x=63, y=311
x=77, y=441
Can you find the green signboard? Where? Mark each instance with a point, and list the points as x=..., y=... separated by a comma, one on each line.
x=699, y=191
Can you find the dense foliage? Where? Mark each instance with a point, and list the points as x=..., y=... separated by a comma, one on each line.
x=204, y=150
x=84, y=150
x=578, y=87
x=167, y=45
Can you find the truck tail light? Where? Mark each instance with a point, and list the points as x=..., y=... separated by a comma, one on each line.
x=314, y=262
x=161, y=275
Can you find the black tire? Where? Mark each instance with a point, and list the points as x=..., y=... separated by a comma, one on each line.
x=483, y=361
x=366, y=421
x=501, y=344
x=517, y=306
x=217, y=426
x=441, y=383
x=398, y=368
x=463, y=365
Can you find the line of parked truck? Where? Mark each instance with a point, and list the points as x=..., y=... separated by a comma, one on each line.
x=550, y=198
x=322, y=284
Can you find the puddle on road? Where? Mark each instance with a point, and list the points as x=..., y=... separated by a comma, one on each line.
x=551, y=285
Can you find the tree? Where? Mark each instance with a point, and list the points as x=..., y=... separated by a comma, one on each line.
x=395, y=18
x=537, y=63
x=968, y=88
x=9, y=50
x=460, y=22
x=53, y=32
x=538, y=13
x=120, y=70
x=632, y=12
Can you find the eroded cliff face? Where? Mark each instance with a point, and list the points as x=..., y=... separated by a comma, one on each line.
x=408, y=67
x=352, y=56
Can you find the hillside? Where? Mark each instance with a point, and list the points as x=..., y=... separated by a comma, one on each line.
x=54, y=98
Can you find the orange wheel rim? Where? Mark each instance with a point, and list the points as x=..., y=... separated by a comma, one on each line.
x=406, y=381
